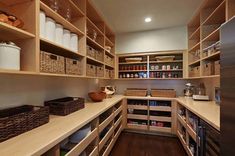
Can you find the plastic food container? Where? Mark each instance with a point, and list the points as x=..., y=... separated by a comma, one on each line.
x=74, y=42
x=9, y=56
x=50, y=29
x=59, y=34
x=66, y=38
x=42, y=23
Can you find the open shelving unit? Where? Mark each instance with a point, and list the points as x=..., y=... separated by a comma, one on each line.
x=151, y=68
x=83, y=22
x=204, y=37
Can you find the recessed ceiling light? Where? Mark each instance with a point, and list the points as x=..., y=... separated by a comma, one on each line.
x=148, y=19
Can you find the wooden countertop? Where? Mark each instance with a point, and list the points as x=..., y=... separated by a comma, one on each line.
x=43, y=138
x=209, y=111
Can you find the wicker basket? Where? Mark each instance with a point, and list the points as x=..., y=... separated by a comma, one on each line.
x=91, y=52
x=171, y=93
x=100, y=71
x=65, y=106
x=217, y=67
x=136, y=92
x=99, y=56
x=15, y=121
x=51, y=63
x=73, y=66
x=90, y=70
x=208, y=69
x=108, y=60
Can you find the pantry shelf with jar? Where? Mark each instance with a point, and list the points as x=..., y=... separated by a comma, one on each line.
x=158, y=65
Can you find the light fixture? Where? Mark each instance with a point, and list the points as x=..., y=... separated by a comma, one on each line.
x=148, y=19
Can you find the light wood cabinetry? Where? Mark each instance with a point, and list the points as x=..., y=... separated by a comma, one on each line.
x=204, y=37
x=158, y=65
x=84, y=21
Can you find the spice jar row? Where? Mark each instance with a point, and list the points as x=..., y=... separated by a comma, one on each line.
x=133, y=67
x=164, y=75
x=133, y=75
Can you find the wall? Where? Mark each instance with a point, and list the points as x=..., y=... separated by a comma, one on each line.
x=155, y=40
x=34, y=90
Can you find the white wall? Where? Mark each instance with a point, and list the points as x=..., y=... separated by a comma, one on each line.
x=155, y=40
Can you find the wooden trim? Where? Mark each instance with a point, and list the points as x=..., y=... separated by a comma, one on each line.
x=139, y=117
x=137, y=127
x=160, y=129
x=116, y=112
x=95, y=152
x=124, y=54
x=106, y=138
x=79, y=148
x=105, y=123
x=138, y=107
x=192, y=133
x=160, y=108
x=109, y=148
x=117, y=122
x=160, y=118
x=181, y=120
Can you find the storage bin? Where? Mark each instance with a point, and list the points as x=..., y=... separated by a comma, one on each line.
x=73, y=66
x=91, y=52
x=194, y=72
x=208, y=69
x=217, y=67
x=74, y=42
x=42, y=23
x=91, y=70
x=59, y=34
x=50, y=29
x=51, y=63
x=100, y=71
x=171, y=93
x=66, y=38
x=136, y=92
x=99, y=56
x=65, y=106
x=108, y=60
x=80, y=134
x=17, y=120
x=9, y=56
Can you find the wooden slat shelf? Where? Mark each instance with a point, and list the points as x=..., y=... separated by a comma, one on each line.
x=191, y=132
x=95, y=152
x=160, y=62
x=138, y=117
x=160, y=108
x=105, y=138
x=108, y=42
x=172, y=70
x=62, y=75
x=215, y=56
x=9, y=32
x=160, y=129
x=94, y=44
x=151, y=78
x=214, y=36
x=181, y=120
x=105, y=123
x=126, y=63
x=58, y=49
x=17, y=72
x=116, y=112
x=79, y=12
x=129, y=71
x=195, y=63
x=118, y=122
x=109, y=53
x=91, y=25
x=109, y=66
x=58, y=18
x=160, y=118
x=195, y=47
x=94, y=61
x=109, y=148
x=195, y=34
x=138, y=107
x=181, y=139
x=137, y=126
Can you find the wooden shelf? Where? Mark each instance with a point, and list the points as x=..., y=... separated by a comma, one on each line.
x=160, y=62
x=160, y=108
x=172, y=70
x=137, y=126
x=17, y=72
x=78, y=11
x=107, y=136
x=195, y=47
x=160, y=129
x=181, y=120
x=62, y=75
x=91, y=25
x=108, y=42
x=215, y=56
x=160, y=118
x=109, y=53
x=195, y=63
x=109, y=66
x=130, y=71
x=214, y=36
x=138, y=117
x=195, y=34
x=94, y=44
x=58, y=49
x=125, y=63
x=94, y=61
x=59, y=19
x=9, y=32
x=138, y=107
x=181, y=139
x=105, y=123
x=192, y=133
x=211, y=76
x=150, y=78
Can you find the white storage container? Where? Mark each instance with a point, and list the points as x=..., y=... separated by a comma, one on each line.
x=42, y=24
x=50, y=29
x=59, y=34
x=66, y=38
x=9, y=56
x=74, y=42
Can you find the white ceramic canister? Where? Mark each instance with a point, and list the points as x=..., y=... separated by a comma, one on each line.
x=66, y=38
x=50, y=29
x=74, y=42
x=42, y=24
x=9, y=56
x=59, y=34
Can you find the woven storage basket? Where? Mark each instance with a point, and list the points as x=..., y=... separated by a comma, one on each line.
x=208, y=69
x=108, y=60
x=91, y=70
x=15, y=121
x=217, y=67
x=51, y=63
x=73, y=67
x=100, y=56
x=65, y=106
x=171, y=93
x=136, y=92
x=100, y=71
x=91, y=52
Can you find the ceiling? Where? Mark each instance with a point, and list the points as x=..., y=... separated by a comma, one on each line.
x=128, y=15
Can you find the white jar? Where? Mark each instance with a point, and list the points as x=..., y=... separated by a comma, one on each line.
x=59, y=34
x=74, y=42
x=9, y=56
x=42, y=24
x=66, y=38
x=50, y=29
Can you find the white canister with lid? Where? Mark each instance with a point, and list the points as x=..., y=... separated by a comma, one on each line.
x=66, y=38
x=50, y=29
x=74, y=42
x=59, y=34
x=42, y=23
x=9, y=56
